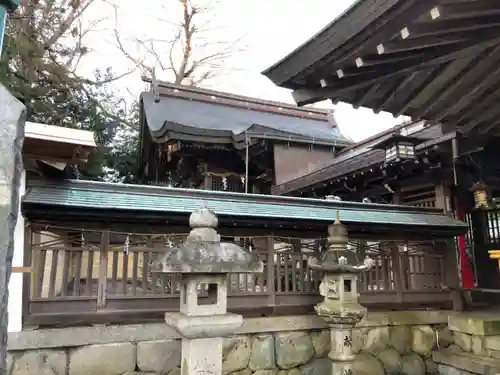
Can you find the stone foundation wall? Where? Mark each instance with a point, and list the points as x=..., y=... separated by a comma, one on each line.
x=474, y=348
x=263, y=346
x=404, y=349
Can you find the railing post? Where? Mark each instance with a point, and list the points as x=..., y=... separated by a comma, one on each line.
x=396, y=270
x=103, y=270
x=450, y=276
x=271, y=272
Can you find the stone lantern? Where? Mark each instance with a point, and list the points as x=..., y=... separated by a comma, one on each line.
x=340, y=308
x=203, y=260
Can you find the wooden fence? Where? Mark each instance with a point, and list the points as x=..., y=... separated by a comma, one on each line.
x=85, y=277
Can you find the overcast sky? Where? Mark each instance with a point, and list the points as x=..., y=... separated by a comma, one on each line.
x=270, y=29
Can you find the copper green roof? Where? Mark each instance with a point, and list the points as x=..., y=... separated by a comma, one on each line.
x=100, y=197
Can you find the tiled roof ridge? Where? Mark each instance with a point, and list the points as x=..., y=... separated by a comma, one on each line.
x=229, y=99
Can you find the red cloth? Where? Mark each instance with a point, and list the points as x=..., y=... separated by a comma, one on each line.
x=465, y=269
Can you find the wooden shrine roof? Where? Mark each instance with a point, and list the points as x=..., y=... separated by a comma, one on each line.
x=360, y=157
x=98, y=200
x=175, y=112
x=437, y=60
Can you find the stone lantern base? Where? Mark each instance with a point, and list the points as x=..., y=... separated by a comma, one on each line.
x=202, y=339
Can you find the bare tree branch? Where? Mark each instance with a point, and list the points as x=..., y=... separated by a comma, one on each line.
x=191, y=52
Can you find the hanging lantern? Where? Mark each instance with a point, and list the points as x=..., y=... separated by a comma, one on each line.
x=397, y=147
x=481, y=195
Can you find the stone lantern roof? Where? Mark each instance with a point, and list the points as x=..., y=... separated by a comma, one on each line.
x=338, y=258
x=202, y=252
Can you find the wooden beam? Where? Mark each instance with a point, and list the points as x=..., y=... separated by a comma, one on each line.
x=22, y=270
x=463, y=10
x=303, y=96
x=403, y=14
x=433, y=73
x=467, y=71
x=432, y=41
x=392, y=58
x=450, y=26
x=490, y=97
x=418, y=43
x=396, y=90
x=487, y=116
x=476, y=91
x=489, y=128
x=365, y=95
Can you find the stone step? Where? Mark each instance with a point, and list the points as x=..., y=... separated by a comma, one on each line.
x=467, y=362
x=475, y=323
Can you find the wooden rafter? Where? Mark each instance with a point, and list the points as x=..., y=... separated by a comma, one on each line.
x=368, y=55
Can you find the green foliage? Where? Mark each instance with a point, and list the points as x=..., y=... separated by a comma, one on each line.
x=121, y=158
x=42, y=49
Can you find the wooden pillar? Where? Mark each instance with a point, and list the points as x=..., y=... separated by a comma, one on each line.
x=443, y=196
x=451, y=262
x=396, y=271
x=103, y=270
x=271, y=274
x=402, y=261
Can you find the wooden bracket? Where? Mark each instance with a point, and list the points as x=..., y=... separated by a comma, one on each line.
x=22, y=270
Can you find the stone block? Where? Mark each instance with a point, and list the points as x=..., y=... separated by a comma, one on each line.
x=454, y=348
x=493, y=353
x=477, y=345
x=293, y=371
x=358, y=339
x=236, y=353
x=293, y=349
x=431, y=367
x=318, y=366
x=448, y=370
x=158, y=356
x=424, y=339
x=391, y=360
x=263, y=355
x=463, y=340
x=467, y=362
x=39, y=362
x=366, y=364
x=401, y=338
x=475, y=324
x=445, y=337
x=492, y=342
x=412, y=364
x=108, y=359
x=321, y=342
x=245, y=371
x=376, y=340
x=266, y=372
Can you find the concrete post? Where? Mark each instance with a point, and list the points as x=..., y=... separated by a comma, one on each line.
x=11, y=139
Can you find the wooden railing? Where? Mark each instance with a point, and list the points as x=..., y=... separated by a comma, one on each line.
x=94, y=277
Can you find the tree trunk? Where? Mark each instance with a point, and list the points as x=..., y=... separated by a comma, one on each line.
x=12, y=116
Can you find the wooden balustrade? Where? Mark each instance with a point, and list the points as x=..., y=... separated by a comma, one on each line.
x=86, y=277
